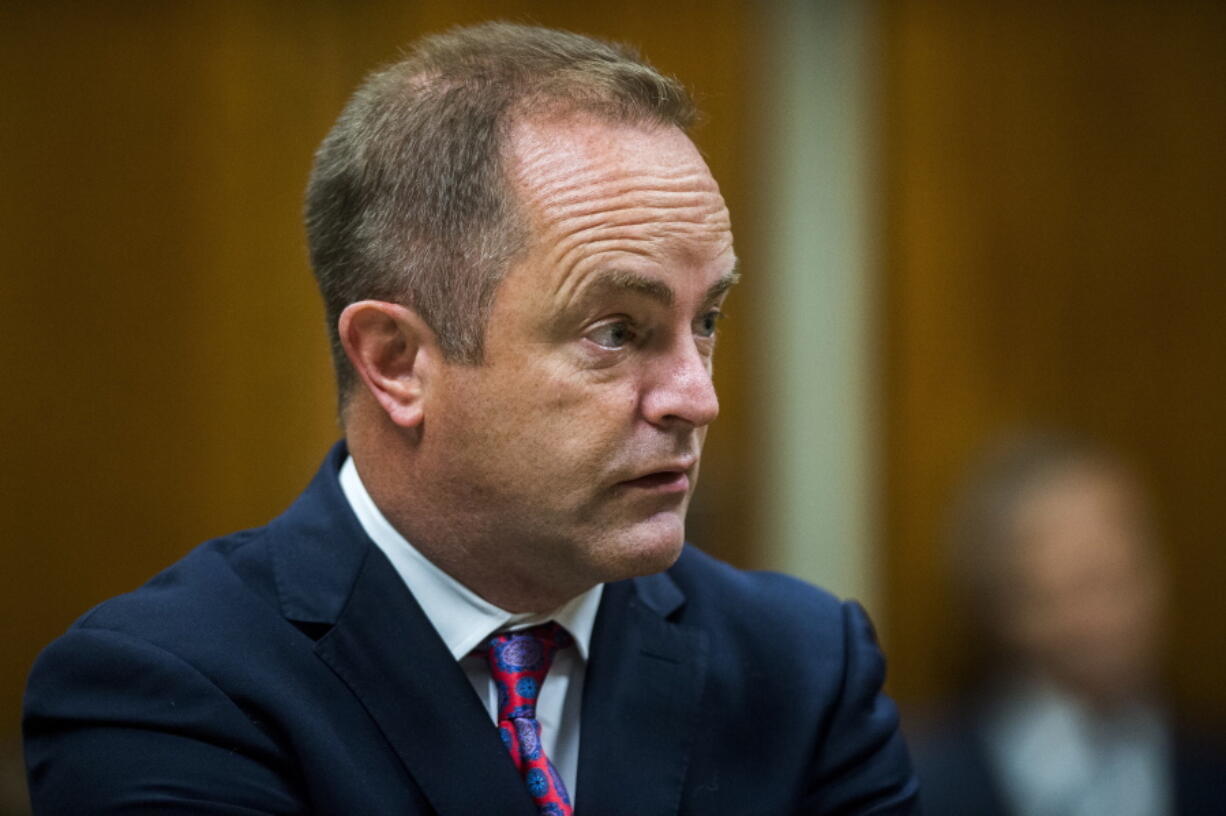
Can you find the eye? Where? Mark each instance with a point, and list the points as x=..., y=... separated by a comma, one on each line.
x=708, y=323
x=614, y=335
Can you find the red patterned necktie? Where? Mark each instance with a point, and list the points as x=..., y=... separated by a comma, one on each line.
x=518, y=663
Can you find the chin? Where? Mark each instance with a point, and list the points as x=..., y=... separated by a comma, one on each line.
x=651, y=546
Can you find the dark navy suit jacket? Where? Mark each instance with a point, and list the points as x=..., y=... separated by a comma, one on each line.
x=288, y=670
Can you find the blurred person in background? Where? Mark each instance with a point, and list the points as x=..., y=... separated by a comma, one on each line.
x=1054, y=554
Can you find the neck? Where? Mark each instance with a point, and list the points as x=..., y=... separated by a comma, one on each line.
x=480, y=559
x=499, y=584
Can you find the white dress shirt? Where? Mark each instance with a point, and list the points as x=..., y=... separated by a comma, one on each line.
x=1054, y=758
x=464, y=620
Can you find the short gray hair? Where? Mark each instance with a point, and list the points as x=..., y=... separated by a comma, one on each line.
x=409, y=200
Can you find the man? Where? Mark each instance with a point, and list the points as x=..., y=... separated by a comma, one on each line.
x=1054, y=551
x=523, y=259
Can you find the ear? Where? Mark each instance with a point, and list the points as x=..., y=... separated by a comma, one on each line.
x=391, y=349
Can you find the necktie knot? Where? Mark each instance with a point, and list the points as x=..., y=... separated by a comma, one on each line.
x=519, y=662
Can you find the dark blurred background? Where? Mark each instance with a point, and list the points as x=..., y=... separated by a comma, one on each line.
x=1028, y=201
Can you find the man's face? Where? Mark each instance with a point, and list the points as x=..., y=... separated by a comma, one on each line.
x=1088, y=591
x=573, y=448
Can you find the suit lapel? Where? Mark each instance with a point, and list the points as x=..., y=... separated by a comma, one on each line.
x=380, y=643
x=640, y=702
x=394, y=661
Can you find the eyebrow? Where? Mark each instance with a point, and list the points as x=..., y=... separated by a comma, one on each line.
x=623, y=280
x=731, y=278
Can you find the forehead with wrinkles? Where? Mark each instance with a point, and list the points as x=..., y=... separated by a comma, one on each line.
x=616, y=187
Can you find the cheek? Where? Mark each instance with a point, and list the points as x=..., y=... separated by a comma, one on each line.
x=544, y=425
x=583, y=418
x=573, y=433
x=563, y=389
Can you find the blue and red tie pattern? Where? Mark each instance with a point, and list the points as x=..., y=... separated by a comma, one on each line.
x=519, y=662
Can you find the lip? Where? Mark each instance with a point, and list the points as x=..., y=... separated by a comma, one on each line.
x=668, y=479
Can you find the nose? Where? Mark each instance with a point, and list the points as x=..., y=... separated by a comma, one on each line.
x=681, y=390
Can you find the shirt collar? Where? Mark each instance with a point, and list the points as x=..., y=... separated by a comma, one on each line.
x=463, y=618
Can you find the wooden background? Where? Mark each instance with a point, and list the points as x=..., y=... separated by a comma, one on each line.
x=1054, y=207
x=1051, y=234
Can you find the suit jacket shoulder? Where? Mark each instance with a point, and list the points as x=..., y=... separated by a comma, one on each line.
x=280, y=670
x=795, y=695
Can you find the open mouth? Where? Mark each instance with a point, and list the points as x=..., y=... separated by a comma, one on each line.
x=664, y=481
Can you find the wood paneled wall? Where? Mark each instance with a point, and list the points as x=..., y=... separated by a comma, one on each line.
x=1055, y=209
x=164, y=356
